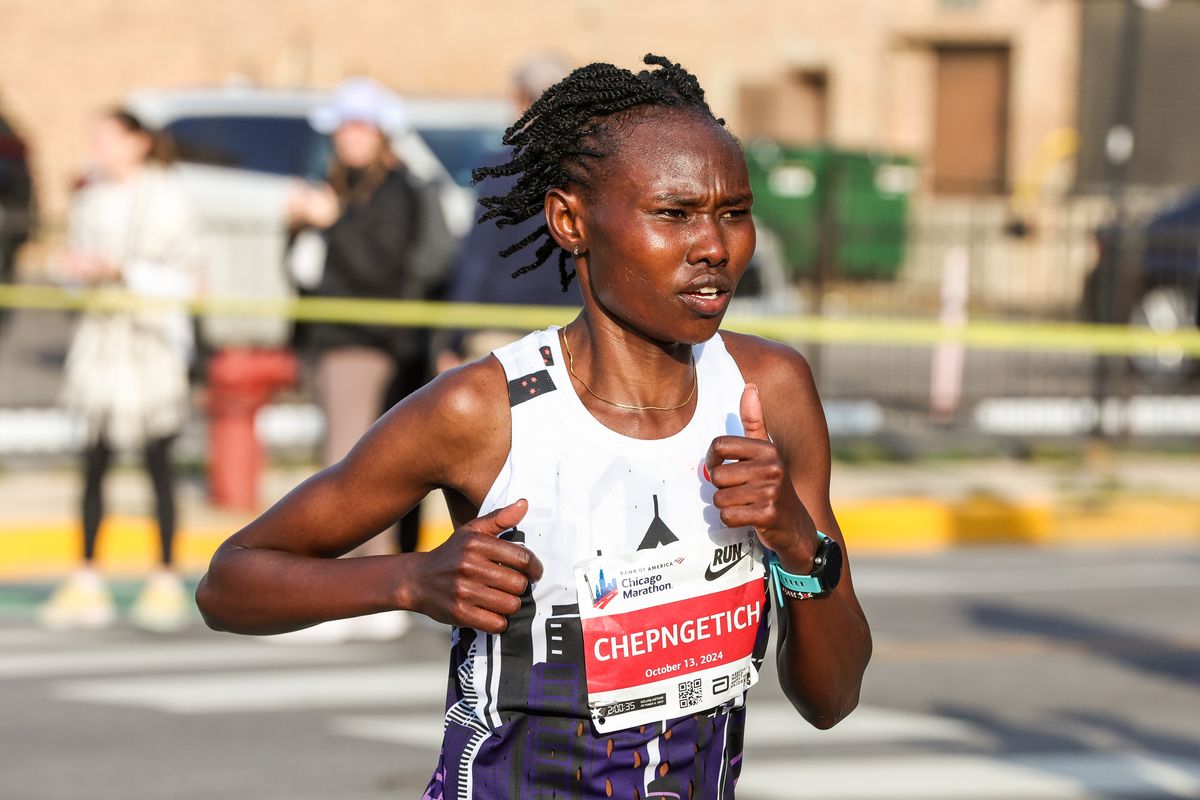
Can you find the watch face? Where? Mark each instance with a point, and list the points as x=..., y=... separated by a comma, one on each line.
x=832, y=568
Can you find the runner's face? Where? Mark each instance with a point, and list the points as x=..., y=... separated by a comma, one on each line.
x=668, y=228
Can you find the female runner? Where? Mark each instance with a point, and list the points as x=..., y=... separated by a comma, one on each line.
x=629, y=491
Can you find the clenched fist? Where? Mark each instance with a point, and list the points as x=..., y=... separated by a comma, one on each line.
x=475, y=579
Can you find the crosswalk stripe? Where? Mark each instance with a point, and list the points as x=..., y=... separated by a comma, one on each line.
x=923, y=777
x=873, y=581
x=953, y=777
x=161, y=656
x=779, y=724
x=231, y=675
x=769, y=726
x=421, y=730
x=269, y=690
x=12, y=637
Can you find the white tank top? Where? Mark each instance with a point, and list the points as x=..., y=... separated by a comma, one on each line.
x=590, y=488
x=591, y=491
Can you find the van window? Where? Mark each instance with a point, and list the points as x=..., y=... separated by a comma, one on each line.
x=273, y=145
x=462, y=149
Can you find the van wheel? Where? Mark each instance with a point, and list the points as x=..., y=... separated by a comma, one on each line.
x=1165, y=308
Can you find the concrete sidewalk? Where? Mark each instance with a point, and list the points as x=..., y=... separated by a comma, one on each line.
x=881, y=507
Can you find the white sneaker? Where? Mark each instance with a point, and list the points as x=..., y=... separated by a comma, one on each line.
x=163, y=605
x=82, y=602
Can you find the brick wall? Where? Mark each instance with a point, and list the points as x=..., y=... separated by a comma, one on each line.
x=59, y=62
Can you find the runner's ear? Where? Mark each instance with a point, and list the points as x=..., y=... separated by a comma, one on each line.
x=752, y=414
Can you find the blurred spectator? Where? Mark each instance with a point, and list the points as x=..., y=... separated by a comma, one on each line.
x=480, y=275
x=17, y=203
x=130, y=228
x=368, y=214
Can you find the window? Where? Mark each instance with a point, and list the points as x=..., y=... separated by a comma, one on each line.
x=462, y=149
x=793, y=109
x=273, y=145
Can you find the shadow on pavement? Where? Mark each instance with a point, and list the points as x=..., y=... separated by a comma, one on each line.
x=1128, y=733
x=1133, y=649
x=1096, y=753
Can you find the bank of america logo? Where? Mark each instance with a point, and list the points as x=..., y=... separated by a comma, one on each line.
x=603, y=592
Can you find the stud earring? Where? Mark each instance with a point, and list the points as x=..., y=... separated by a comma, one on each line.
x=575, y=252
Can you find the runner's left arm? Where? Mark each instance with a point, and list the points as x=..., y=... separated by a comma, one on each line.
x=780, y=486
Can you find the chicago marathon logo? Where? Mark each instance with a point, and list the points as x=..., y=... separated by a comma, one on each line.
x=603, y=592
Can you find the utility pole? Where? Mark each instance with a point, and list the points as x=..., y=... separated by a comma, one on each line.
x=1118, y=151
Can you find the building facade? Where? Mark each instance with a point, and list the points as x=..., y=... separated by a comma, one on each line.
x=971, y=88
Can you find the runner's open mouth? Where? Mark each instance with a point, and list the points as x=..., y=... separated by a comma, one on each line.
x=708, y=293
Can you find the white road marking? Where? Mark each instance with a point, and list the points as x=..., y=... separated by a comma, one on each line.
x=831, y=762
x=10, y=637
x=778, y=724
x=421, y=731
x=766, y=726
x=269, y=690
x=99, y=658
x=980, y=777
x=898, y=579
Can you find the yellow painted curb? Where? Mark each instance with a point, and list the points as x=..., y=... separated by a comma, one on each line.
x=129, y=545
x=126, y=545
x=921, y=525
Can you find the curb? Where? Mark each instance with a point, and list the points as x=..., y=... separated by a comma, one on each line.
x=893, y=526
x=908, y=525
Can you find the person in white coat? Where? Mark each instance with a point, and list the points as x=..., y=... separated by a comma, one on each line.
x=130, y=229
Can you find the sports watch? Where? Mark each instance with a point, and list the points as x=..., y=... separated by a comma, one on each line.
x=826, y=572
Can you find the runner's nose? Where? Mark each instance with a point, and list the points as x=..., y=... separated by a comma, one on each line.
x=708, y=247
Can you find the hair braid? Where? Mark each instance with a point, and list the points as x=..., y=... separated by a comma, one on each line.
x=560, y=136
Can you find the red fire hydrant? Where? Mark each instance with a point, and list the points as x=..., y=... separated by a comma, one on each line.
x=240, y=381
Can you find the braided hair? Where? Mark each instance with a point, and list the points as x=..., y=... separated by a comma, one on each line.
x=558, y=138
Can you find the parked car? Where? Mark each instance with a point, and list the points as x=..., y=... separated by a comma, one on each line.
x=1158, y=287
x=239, y=149
x=17, y=207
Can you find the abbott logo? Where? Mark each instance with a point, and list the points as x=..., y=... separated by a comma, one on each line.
x=724, y=559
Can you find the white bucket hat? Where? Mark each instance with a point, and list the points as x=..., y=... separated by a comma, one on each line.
x=360, y=100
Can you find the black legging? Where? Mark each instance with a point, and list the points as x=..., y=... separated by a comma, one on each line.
x=157, y=455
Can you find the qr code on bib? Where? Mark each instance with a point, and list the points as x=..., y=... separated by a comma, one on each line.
x=690, y=693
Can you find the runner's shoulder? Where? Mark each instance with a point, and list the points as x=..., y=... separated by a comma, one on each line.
x=785, y=383
x=776, y=368
x=470, y=399
x=462, y=416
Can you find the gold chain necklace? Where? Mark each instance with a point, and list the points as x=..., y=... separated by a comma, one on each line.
x=626, y=406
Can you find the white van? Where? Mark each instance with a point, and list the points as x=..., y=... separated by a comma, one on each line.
x=240, y=149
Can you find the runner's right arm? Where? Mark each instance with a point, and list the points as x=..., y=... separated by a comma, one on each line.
x=281, y=572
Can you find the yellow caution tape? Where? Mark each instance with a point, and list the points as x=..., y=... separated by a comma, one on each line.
x=1020, y=336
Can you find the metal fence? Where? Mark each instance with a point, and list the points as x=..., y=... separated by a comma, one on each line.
x=963, y=262
x=968, y=261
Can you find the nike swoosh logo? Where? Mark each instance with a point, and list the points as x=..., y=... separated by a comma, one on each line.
x=709, y=575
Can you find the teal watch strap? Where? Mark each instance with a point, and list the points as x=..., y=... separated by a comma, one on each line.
x=781, y=578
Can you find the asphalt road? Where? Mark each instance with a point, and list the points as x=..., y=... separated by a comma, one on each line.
x=1005, y=673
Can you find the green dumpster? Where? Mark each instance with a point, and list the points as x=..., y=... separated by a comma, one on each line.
x=867, y=196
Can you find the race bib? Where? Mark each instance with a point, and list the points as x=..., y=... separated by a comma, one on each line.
x=670, y=631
